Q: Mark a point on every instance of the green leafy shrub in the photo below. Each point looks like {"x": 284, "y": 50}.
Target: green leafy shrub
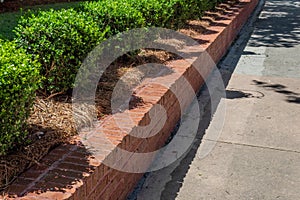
{"x": 159, "y": 13}
{"x": 172, "y": 13}
{"x": 61, "y": 40}
{"x": 117, "y": 15}
{"x": 18, "y": 83}
{"x": 194, "y": 9}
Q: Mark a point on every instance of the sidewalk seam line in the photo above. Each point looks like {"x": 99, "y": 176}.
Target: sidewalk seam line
{"x": 251, "y": 145}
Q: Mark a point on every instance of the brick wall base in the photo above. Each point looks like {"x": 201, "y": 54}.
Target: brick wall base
{"x": 76, "y": 171}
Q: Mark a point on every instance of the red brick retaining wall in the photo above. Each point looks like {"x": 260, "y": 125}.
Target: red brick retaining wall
{"x": 75, "y": 172}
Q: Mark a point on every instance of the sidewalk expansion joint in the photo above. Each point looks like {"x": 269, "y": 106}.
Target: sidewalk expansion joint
{"x": 255, "y": 146}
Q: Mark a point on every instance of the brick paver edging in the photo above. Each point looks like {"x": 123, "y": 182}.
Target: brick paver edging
{"x": 74, "y": 172}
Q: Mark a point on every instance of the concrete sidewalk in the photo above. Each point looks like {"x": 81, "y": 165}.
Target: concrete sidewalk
{"x": 257, "y": 154}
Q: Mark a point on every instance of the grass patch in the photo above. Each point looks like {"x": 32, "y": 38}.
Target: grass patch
{"x": 9, "y": 20}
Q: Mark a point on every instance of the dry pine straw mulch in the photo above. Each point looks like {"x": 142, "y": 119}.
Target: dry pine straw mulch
{"x": 51, "y": 122}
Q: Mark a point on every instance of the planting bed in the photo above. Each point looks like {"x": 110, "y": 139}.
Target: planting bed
{"x": 70, "y": 171}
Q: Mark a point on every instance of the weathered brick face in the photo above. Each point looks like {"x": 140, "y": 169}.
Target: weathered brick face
{"x": 74, "y": 172}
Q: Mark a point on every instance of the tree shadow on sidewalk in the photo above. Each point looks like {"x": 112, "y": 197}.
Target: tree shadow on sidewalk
{"x": 291, "y": 97}
{"x": 278, "y": 25}
{"x": 172, "y": 187}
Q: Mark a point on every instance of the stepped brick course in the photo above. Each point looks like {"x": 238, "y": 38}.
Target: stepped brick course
{"x": 76, "y": 171}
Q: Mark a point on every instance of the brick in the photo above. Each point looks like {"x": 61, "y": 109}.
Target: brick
{"x": 135, "y": 113}
{"x": 30, "y": 174}
{"x": 126, "y": 120}
{"x": 79, "y": 161}
{"x": 80, "y": 153}
{"x": 93, "y": 195}
{"x": 51, "y": 195}
{"x": 16, "y": 189}
{"x": 50, "y": 159}
{"x": 119, "y": 188}
{"x": 61, "y": 180}
{"x": 99, "y": 142}
{"x": 100, "y": 186}
{"x": 60, "y": 151}
{"x": 33, "y": 197}
{"x": 94, "y": 162}
{"x": 22, "y": 181}
{"x": 88, "y": 181}
{"x": 43, "y": 186}
{"x": 115, "y": 140}
{"x": 104, "y": 194}
{"x": 134, "y": 143}
{"x": 146, "y": 120}
{"x": 97, "y": 181}
{"x": 64, "y": 147}
{"x": 74, "y": 167}
{"x": 39, "y": 167}
{"x": 67, "y": 173}
{"x": 80, "y": 193}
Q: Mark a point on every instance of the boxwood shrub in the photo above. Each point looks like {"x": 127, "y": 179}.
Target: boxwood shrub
{"x": 172, "y": 13}
{"x": 159, "y": 13}
{"x": 61, "y": 40}
{"x": 194, "y": 9}
{"x": 18, "y": 83}
{"x": 116, "y": 15}
{"x": 56, "y": 42}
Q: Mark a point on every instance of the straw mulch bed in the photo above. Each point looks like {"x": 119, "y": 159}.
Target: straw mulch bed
{"x": 51, "y": 122}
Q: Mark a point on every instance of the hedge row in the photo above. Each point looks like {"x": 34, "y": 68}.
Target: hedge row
{"x": 18, "y": 83}
{"x": 60, "y": 40}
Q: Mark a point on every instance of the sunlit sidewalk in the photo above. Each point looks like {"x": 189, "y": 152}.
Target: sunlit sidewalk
{"x": 256, "y": 154}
